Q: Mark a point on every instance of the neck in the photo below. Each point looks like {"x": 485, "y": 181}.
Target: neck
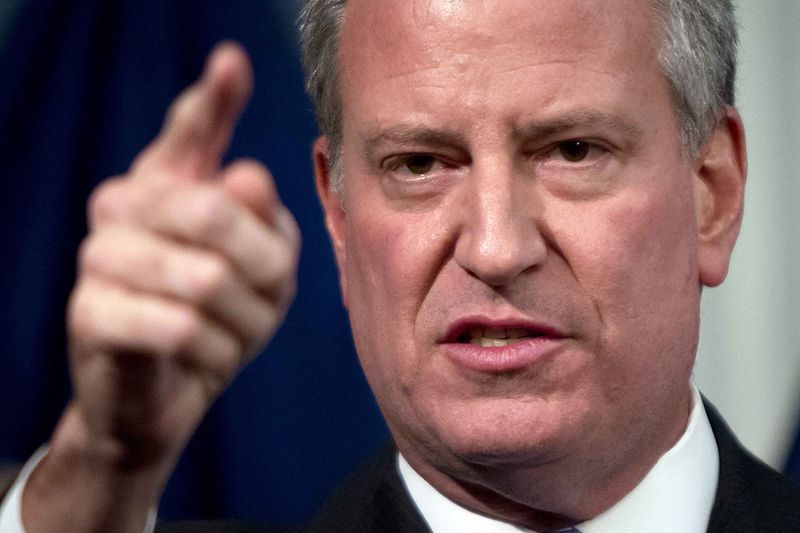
{"x": 557, "y": 494}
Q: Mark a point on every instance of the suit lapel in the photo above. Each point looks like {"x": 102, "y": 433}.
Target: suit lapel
{"x": 373, "y": 500}
{"x": 751, "y": 497}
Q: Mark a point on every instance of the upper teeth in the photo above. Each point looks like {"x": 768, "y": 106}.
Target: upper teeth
{"x": 487, "y": 342}
{"x": 489, "y": 337}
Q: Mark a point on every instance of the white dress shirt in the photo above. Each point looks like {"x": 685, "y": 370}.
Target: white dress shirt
{"x": 676, "y": 495}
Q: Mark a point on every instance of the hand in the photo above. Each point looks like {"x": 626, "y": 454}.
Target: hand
{"x": 186, "y": 273}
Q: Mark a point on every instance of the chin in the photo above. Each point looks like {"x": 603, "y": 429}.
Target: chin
{"x": 509, "y": 433}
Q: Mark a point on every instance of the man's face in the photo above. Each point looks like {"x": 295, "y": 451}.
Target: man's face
{"x": 517, "y": 236}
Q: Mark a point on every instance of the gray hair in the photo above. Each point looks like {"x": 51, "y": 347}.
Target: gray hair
{"x": 698, "y": 59}
{"x": 320, "y": 25}
{"x": 697, "y": 55}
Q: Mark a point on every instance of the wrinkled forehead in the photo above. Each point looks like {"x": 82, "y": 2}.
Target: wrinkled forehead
{"x": 386, "y": 23}
{"x": 384, "y": 38}
{"x": 476, "y": 44}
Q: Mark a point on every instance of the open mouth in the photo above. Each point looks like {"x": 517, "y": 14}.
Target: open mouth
{"x": 496, "y": 337}
{"x": 500, "y": 345}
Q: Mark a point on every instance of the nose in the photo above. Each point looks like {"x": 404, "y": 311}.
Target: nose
{"x": 500, "y": 235}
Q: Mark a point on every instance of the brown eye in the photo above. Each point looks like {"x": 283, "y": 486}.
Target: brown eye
{"x": 574, "y": 151}
{"x": 420, "y": 164}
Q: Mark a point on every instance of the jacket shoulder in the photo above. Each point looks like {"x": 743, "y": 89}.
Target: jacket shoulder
{"x": 751, "y": 496}
{"x": 372, "y": 500}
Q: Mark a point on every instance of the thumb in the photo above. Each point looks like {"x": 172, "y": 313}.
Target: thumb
{"x": 251, "y": 184}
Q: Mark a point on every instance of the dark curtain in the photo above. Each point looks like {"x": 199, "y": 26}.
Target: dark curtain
{"x": 84, "y": 87}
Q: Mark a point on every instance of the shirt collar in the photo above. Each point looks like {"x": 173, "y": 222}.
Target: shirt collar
{"x": 676, "y": 495}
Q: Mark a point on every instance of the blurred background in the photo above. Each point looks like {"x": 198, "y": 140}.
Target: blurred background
{"x": 83, "y": 87}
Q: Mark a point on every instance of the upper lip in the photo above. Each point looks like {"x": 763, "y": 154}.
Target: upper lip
{"x": 461, "y": 327}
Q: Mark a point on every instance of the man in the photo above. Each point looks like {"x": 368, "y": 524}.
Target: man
{"x": 524, "y": 198}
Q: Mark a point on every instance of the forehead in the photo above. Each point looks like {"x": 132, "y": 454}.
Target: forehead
{"x": 389, "y": 22}
{"x": 481, "y": 43}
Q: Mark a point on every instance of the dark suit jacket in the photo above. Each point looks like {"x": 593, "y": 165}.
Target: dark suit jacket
{"x": 751, "y": 498}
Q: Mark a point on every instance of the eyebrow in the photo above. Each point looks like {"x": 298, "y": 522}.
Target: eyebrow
{"x": 576, "y": 120}
{"x": 409, "y": 134}
{"x": 412, "y": 135}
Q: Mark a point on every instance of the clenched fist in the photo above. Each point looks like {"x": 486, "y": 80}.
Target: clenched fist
{"x": 187, "y": 271}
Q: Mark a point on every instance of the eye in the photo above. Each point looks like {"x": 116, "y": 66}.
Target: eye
{"x": 414, "y": 166}
{"x": 575, "y": 151}
{"x": 418, "y": 175}
{"x": 419, "y": 164}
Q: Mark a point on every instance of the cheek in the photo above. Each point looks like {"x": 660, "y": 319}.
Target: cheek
{"x": 392, "y": 260}
{"x": 637, "y": 262}
{"x": 634, "y": 246}
{"x": 384, "y": 259}
{"x": 656, "y": 242}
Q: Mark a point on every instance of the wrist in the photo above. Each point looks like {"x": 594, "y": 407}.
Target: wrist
{"x": 90, "y": 484}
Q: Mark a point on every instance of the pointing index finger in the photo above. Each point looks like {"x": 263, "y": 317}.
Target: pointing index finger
{"x": 200, "y": 122}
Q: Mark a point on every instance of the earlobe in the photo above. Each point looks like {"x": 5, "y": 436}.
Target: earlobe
{"x": 720, "y": 173}
{"x": 331, "y": 201}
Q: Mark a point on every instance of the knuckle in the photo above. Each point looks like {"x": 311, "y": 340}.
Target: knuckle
{"x": 249, "y": 165}
{"x": 213, "y": 215}
{"x": 184, "y": 330}
{"x": 280, "y": 273}
{"x": 107, "y": 200}
{"x": 291, "y": 230}
{"x": 212, "y": 276}
{"x": 104, "y": 201}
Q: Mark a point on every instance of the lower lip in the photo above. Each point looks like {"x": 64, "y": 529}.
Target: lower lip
{"x": 501, "y": 359}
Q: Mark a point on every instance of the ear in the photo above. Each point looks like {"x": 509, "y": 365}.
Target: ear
{"x": 332, "y": 208}
{"x": 720, "y": 173}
